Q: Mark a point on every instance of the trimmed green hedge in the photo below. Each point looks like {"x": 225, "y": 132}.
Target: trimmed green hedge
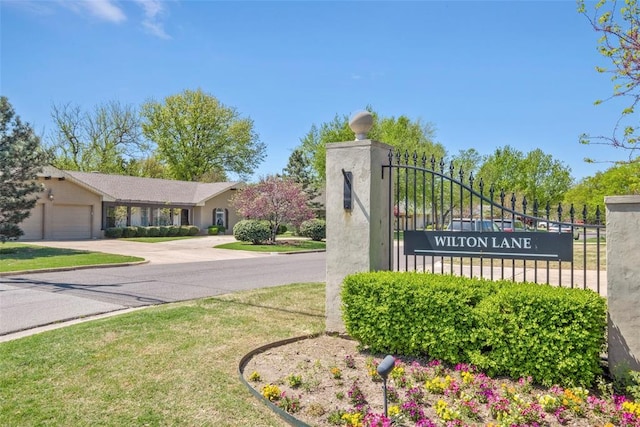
{"x": 251, "y": 230}
{"x": 555, "y": 335}
{"x": 183, "y": 230}
{"x": 216, "y": 229}
{"x": 315, "y": 229}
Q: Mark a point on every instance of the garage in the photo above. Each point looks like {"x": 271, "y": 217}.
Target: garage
{"x": 71, "y": 222}
{"x": 33, "y": 227}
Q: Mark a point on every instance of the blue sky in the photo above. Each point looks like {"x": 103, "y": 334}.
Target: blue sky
{"x": 484, "y": 73}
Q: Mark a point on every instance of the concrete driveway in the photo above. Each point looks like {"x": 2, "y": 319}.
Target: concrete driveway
{"x": 170, "y": 252}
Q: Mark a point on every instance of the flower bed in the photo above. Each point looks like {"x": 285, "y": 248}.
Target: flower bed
{"x": 326, "y": 381}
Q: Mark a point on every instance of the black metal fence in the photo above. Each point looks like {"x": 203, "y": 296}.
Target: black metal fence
{"x": 445, "y": 222}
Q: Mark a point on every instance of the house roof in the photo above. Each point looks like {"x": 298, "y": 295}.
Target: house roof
{"x": 133, "y": 189}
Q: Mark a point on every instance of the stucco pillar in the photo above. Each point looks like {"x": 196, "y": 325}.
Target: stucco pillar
{"x": 357, "y": 239}
{"x": 623, "y": 281}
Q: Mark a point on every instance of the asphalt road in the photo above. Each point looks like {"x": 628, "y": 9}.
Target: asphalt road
{"x": 32, "y": 300}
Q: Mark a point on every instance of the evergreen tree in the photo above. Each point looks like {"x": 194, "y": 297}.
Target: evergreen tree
{"x": 300, "y": 171}
{"x": 21, "y": 158}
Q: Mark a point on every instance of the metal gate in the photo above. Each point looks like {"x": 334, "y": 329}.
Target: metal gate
{"x": 444, "y": 222}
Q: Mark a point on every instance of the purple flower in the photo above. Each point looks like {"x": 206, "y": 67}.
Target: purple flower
{"x": 356, "y": 395}
{"x": 425, "y": 422}
{"x": 415, "y": 394}
{"x": 412, "y": 410}
{"x": 375, "y": 420}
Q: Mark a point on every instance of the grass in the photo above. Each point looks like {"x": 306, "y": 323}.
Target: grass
{"x": 280, "y": 246}
{"x": 21, "y": 257}
{"x": 175, "y": 364}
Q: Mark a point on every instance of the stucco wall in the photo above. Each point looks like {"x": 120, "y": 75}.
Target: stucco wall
{"x": 623, "y": 281}
{"x": 67, "y": 197}
{"x": 357, "y": 240}
{"x": 203, "y": 215}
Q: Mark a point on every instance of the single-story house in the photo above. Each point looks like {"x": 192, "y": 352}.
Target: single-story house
{"x": 81, "y": 205}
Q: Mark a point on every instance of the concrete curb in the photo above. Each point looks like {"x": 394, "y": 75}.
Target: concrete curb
{"x": 66, "y": 322}
{"x": 79, "y": 267}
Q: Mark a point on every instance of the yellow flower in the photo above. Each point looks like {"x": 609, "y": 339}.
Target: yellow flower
{"x": 394, "y": 410}
{"x": 271, "y": 392}
{"x": 467, "y": 377}
{"x": 632, "y": 408}
{"x": 353, "y": 420}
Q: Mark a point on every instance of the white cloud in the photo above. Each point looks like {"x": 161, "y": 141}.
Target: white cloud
{"x": 154, "y": 12}
{"x": 152, "y": 22}
{"x": 103, "y": 9}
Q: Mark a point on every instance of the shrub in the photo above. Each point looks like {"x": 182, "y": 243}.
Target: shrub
{"x": 128, "y": 232}
{"x": 315, "y": 229}
{"x": 164, "y": 231}
{"x": 173, "y": 231}
{"x": 141, "y": 231}
{"x": 213, "y": 230}
{"x": 183, "y": 230}
{"x": 193, "y": 230}
{"x": 250, "y": 230}
{"x": 282, "y": 229}
{"x": 554, "y": 335}
{"x": 113, "y": 232}
{"x": 153, "y": 231}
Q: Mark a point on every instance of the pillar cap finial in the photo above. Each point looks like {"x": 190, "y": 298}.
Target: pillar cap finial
{"x": 361, "y": 123}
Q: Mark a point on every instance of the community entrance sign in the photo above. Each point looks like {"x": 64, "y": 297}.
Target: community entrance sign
{"x": 540, "y": 246}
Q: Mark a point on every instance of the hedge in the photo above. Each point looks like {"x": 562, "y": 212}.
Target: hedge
{"x": 555, "y": 335}
{"x": 251, "y": 230}
{"x": 138, "y": 231}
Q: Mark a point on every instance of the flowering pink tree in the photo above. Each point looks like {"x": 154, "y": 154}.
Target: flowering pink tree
{"x": 274, "y": 199}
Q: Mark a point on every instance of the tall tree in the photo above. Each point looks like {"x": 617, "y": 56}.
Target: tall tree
{"x": 535, "y": 175}
{"x": 619, "y": 26}
{"x": 21, "y": 158}
{"x": 313, "y": 144}
{"x": 149, "y": 167}
{"x": 274, "y": 199}
{"x": 468, "y": 160}
{"x": 501, "y": 169}
{"x": 199, "y": 137}
{"x": 622, "y": 179}
{"x": 300, "y": 171}
{"x": 543, "y": 178}
{"x": 102, "y": 140}
{"x": 401, "y": 132}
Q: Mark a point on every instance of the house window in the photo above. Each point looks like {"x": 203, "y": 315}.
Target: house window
{"x": 184, "y": 216}
{"x": 164, "y": 218}
{"x": 111, "y": 216}
{"x": 144, "y": 217}
{"x": 220, "y": 217}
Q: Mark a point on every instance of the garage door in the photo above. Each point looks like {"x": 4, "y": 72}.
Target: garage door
{"x": 33, "y": 226}
{"x": 71, "y": 222}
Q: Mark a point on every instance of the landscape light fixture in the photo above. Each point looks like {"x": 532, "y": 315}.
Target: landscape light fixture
{"x": 384, "y": 368}
{"x": 50, "y": 196}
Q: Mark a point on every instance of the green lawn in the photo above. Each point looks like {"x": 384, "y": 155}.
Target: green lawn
{"x": 21, "y": 257}
{"x": 280, "y": 246}
{"x": 174, "y": 364}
